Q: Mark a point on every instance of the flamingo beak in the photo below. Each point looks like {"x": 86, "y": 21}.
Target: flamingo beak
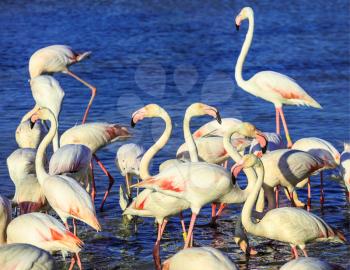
{"x": 132, "y": 123}
{"x": 237, "y": 27}
{"x": 235, "y": 170}
{"x": 218, "y": 117}
{"x": 31, "y": 124}
{"x": 262, "y": 139}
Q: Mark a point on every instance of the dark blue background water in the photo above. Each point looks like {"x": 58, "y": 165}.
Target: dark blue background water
{"x": 175, "y": 53}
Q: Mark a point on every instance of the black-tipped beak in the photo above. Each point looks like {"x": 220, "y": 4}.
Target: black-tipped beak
{"x": 233, "y": 179}
{"x": 218, "y": 118}
{"x": 237, "y": 27}
{"x": 132, "y": 123}
{"x": 264, "y": 149}
{"x": 31, "y": 124}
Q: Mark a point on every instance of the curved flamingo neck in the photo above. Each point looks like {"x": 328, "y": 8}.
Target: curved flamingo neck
{"x": 244, "y": 51}
{"x": 250, "y": 173}
{"x": 40, "y": 155}
{"x": 191, "y": 145}
{"x": 159, "y": 144}
{"x": 247, "y": 210}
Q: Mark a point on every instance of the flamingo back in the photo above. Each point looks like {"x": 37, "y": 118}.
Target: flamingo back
{"x": 48, "y": 93}
{"x": 213, "y": 128}
{"x": 280, "y": 89}
{"x": 319, "y": 148}
{"x": 21, "y": 163}
{"x": 42, "y": 231}
{"x": 199, "y": 258}
{"x": 24, "y": 257}
{"x": 308, "y": 263}
{"x": 70, "y": 158}
{"x": 94, "y": 135}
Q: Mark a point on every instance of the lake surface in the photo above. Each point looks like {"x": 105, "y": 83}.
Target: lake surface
{"x": 174, "y": 53}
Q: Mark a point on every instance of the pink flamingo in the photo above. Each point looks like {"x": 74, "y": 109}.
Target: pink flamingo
{"x": 63, "y": 193}
{"x": 287, "y": 224}
{"x": 95, "y": 136}
{"x": 29, "y": 195}
{"x": 268, "y": 85}
{"x": 197, "y": 182}
{"x": 57, "y": 58}
{"x": 323, "y": 150}
{"x": 25, "y": 256}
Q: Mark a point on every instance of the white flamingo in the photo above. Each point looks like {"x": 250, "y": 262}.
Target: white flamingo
{"x": 95, "y": 136}
{"x": 64, "y": 194}
{"x": 268, "y": 85}
{"x": 24, "y": 257}
{"x": 199, "y": 258}
{"x": 29, "y": 195}
{"x": 294, "y": 226}
{"x": 57, "y": 58}
{"x": 47, "y": 93}
{"x": 323, "y": 150}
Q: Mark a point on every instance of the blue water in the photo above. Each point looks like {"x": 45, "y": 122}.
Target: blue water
{"x": 175, "y": 53}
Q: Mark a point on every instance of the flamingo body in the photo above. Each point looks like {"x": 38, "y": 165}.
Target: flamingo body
{"x": 308, "y": 263}
{"x": 25, "y": 257}
{"x": 42, "y": 231}
{"x": 5, "y": 217}
{"x": 54, "y": 58}
{"x": 94, "y": 135}
{"x": 199, "y": 258}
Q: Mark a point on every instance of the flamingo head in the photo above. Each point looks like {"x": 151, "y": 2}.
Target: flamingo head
{"x": 43, "y": 114}
{"x": 247, "y": 161}
{"x": 245, "y": 13}
{"x": 149, "y": 111}
{"x": 199, "y": 109}
{"x": 249, "y": 130}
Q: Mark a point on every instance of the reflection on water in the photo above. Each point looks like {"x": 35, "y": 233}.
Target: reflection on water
{"x": 172, "y": 53}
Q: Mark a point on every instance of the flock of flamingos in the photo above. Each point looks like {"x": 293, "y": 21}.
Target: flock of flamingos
{"x": 198, "y": 176}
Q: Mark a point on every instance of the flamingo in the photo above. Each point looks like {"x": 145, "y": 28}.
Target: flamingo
{"x": 199, "y": 258}
{"x": 29, "y": 195}
{"x": 27, "y": 137}
{"x": 128, "y": 160}
{"x": 47, "y": 93}
{"x": 63, "y": 193}
{"x": 323, "y": 150}
{"x": 5, "y": 217}
{"x": 289, "y": 169}
{"x": 308, "y": 263}
{"x": 72, "y": 160}
{"x": 345, "y": 167}
{"x": 291, "y": 225}
{"x": 197, "y": 182}
{"x": 45, "y": 232}
{"x": 24, "y": 257}
{"x": 268, "y": 85}
{"x": 95, "y": 136}
{"x": 57, "y": 58}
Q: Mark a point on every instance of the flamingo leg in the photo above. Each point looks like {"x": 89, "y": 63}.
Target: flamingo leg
{"x": 222, "y": 207}
{"x": 213, "y": 210}
{"x": 72, "y": 262}
{"x": 74, "y": 227}
{"x": 190, "y": 230}
{"x": 93, "y": 93}
{"x": 294, "y": 252}
{"x": 225, "y": 164}
{"x": 284, "y": 122}
{"x": 184, "y": 232}
{"x": 156, "y": 248}
{"x": 278, "y": 129}
{"x": 127, "y": 183}
{"x": 304, "y": 251}
{"x": 93, "y": 188}
{"x": 277, "y": 191}
{"x": 111, "y": 180}
{"x": 322, "y": 191}
{"x": 308, "y": 195}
